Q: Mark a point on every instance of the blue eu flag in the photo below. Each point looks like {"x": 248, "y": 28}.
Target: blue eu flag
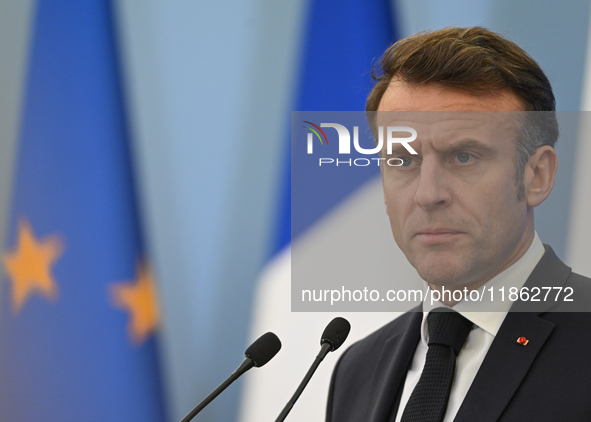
{"x": 78, "y": 313}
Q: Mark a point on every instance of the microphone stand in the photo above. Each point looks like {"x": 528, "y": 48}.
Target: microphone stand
{"x": 326, "y": 347}
{"x": 244, "y": 366}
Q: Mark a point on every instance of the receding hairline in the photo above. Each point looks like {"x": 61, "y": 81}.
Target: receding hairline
{"x": 494, "y": 95}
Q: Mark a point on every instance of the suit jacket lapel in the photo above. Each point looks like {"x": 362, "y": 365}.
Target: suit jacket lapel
{"x": 395, "y": 359}
{"x": 504, "y": 367}
{"x": 507, "y": 362}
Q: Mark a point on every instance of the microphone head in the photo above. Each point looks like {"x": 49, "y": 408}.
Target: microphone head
{"x": 263, "y": 349}
{"x": 336, "y": 333}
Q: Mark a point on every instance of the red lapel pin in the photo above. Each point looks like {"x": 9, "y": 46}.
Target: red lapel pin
{"x": 523, "y": 341}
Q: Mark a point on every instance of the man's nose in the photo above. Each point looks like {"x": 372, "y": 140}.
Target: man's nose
{"x": 433, "y": 188}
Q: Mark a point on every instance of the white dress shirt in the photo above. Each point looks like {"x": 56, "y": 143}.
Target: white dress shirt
{"x": 486, "y": 326}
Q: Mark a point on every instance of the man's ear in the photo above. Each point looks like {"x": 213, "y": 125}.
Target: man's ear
{"x": 539, "y": 175}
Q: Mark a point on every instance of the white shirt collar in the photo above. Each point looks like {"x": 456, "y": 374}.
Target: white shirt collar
{"x": 493, "y": 312}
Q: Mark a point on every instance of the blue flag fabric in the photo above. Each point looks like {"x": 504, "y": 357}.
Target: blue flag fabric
{"x": 344, "y": 40}
{"x": 78, "y": 312}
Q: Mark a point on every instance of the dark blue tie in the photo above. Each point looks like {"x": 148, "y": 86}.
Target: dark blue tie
{"x": 448, "y": 331}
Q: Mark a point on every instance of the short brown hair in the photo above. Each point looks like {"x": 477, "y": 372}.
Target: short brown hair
{"x": 477, "y": 61}
{"x": 474, "y": 60}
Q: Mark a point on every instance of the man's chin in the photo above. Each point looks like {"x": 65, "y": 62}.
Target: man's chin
{"x": 446, "y": 273}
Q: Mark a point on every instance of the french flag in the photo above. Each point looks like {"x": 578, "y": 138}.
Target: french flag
{"x": 344, "y": 40}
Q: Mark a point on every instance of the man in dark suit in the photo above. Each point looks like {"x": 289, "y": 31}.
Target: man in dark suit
{"x": 462, "y": 211}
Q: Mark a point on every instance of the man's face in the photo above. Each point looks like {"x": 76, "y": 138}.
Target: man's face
{"x": 453, "y": 208}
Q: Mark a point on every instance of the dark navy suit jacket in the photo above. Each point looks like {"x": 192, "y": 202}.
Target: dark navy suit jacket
{"x": 547, "y": 380}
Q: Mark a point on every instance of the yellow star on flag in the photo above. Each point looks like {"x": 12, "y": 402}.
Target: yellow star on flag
{"x": 138, "y": 297}
{"x": 29, "y": 265}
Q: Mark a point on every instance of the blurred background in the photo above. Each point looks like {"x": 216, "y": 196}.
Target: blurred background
{"x": 207, "y": 88}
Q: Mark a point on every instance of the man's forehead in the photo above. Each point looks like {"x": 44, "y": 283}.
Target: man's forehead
{"x": 451, "y": 119}
{"x": 456, "y": 123}
{"x": 401, "y": 96}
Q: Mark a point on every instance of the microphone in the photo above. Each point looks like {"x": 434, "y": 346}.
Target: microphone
{"x": 333, "y": 337}
{"x": 258, "y": 353}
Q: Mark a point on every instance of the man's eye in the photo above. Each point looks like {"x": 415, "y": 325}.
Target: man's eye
{"x": 463, "y": 157}
{"x": 406, "y": 161}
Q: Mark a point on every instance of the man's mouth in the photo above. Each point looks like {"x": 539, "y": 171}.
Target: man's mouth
{"x": 437, "y": 235}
